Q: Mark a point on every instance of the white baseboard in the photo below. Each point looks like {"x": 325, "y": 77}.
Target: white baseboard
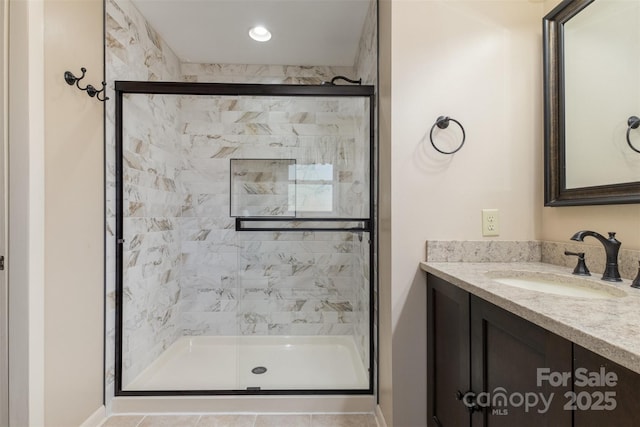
{"x": 380, "y": 418}
{"x": 96, "y": 418}
{"x": 251, "y": 404}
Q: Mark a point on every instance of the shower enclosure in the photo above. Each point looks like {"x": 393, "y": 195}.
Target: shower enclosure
{"x": 245, "y": 239}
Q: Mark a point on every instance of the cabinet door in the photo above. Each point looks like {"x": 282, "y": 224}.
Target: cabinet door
{"x": 594, "y": 401}
{"x": 507, "y": 353}
{"x": 447, "y": 353}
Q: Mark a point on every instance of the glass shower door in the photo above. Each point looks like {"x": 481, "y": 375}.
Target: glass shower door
{"x": 245, "y": 235}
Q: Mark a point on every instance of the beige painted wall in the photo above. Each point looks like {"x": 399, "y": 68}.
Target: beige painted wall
{"x": 25, "y": 257}
{"x": 74, "y": 214}
{"x": 4, "y": 291}
{"x": 559, "y": 224}
{"x": 480, "y": 63}
{"x": 385, "y": 367}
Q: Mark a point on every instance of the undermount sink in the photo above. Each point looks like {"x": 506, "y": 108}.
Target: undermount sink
{"x": 555, "y": 284}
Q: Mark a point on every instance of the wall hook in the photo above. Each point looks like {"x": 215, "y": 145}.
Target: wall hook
{"x": 90, "y": 89}
{"x": 71, "y": 79}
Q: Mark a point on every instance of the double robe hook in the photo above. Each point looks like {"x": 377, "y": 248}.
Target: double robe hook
{"x": 91, "y": 91}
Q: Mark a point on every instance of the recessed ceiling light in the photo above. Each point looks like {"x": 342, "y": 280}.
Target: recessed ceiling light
{"x": 260, "y": 34}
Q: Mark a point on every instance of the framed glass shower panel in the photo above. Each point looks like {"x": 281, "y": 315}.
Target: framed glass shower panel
{"x": 244, "y": 228}
{"x": 305, "y": 307}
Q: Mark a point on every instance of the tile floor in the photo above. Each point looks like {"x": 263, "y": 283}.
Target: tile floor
{"x": 243, "y": 420}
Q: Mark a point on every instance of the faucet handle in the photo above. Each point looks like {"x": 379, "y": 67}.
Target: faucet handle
{"x": 581, "y": 268}
{"x": 636, "y": 281}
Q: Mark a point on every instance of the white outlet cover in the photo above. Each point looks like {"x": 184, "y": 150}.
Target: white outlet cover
{"x": 490, "y": 222}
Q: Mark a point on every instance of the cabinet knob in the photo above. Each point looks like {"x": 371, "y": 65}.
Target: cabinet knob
{"x": 469, "y": 401}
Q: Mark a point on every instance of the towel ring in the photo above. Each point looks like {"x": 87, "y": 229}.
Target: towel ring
{"x": 442, "y": 122}
{"x": 633, "y": 123}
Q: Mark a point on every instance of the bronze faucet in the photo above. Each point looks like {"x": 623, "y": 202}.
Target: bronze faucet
{"x": 611, "y": 248}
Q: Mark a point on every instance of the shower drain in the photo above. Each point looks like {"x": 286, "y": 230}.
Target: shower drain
{"x": 259, "y": 370}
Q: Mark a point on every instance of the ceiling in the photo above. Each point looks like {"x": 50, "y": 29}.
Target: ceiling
{"x": 305, "y": 32}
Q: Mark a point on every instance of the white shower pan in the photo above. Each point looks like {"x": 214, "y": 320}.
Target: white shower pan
{"x": 226, "y": 363}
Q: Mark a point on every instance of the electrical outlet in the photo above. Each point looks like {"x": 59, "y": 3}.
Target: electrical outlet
{"x": 490, "y": 222}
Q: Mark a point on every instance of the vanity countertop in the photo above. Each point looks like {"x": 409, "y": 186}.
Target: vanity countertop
{"x": 609, "y": 327}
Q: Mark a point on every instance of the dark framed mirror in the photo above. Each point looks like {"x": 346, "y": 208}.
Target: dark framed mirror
{"x": 591, "y": 95}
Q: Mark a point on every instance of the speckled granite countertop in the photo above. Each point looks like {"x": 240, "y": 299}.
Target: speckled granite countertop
{"x": 609, "y": 327}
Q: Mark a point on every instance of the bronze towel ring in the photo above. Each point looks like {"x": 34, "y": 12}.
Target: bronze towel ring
{"x": 633, "y": 123}
{"x": 442, "y": 122}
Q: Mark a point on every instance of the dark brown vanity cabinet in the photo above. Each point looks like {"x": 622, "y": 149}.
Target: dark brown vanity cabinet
{"x": 605, "y": 393}
{"x": 490, "y": 368}
{"x": 510, "y": 358}
{"x": 448, "y": 355}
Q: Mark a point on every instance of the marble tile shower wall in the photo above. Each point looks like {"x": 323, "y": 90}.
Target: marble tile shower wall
{"x": 269, "y": 283}
{"x": 263, "y": 74}
{"x": 361, "y": 281}
{"x": 152, "y": 204}
{"x": 366, "y": 66}
{"x": 134, "y": 51}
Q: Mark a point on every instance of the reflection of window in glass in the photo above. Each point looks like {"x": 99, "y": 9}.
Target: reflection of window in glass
{"x": 260, "y": 187}
{"x": 313, "y": 188}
